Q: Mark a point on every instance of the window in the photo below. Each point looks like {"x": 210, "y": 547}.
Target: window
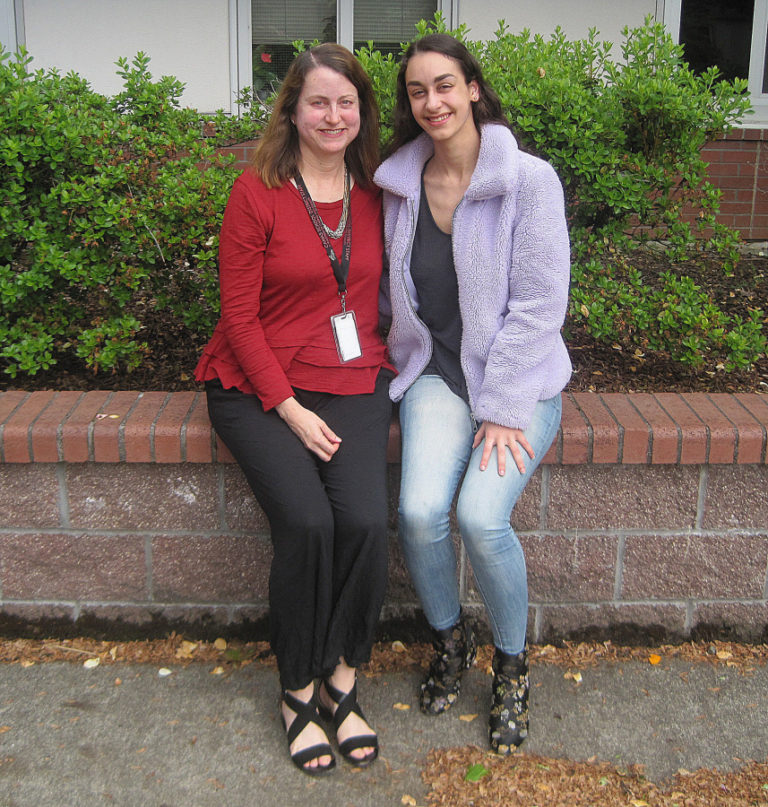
{"x": 274, "y": 26}
{"x": 731, "y": 34}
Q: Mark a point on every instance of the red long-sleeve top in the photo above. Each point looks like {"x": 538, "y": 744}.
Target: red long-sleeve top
{"x": 278, "y": 293}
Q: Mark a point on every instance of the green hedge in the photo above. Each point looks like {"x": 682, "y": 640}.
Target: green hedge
{"x": 110, "y": 207}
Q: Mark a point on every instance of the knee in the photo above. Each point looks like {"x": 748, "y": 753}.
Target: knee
{"x": 477, "y": 526}
{"x": 419, "y": 522}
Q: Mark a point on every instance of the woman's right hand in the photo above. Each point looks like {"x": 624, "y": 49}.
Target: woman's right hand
{"x": 312, "y": 430}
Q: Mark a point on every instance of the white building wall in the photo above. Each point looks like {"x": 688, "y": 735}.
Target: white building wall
{"x": 575, "y": 17}
{"x": 188, "y": 39}
{"x": 7, "y": 25}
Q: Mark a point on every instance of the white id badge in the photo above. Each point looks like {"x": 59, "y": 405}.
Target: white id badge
{"x": 345, "y": 333}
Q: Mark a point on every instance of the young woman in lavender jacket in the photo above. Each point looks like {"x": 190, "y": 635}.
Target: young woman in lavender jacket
{"x": 478, "y": 251}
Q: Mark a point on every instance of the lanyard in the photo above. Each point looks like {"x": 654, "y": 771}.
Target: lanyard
{"x": 340, "y": 270}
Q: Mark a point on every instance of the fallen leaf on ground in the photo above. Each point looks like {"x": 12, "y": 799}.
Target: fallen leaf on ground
{"x": 217, "y": 671}
{"x": 220, "y": 644}
{"x": 164, "y": 672}
{"x": 467, "y": 718}
{"x": 90, "y": 663}
{"x": 654, "y": 658}
{"x": 402, "y": 707}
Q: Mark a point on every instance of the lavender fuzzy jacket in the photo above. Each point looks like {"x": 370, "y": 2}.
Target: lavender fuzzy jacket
{"x": 512, "y": 258}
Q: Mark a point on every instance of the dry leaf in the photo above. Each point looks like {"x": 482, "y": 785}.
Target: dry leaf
{"x": 163, "y": 672}
{"x": 573, "y": 676}
{"x": 118, "y": 681}
{"x": 638, "y": 803}
{"x": 186, "y": 650}
{"x": 654, "y": 658}
{"x": 724, "y": 654}
{"x": 398, "y": 646}
{"x": 217, "y": 671}
{"x": 408, "y": 800}
{"x": 90, "y": 663}
{"x": 220, "y": 644}
{"x": 27, "y": 663}
{"x": 402, "y": 707}
{"x": 467, "y": 718}
{"x": 3, "y": 729}
{"x": 113, "y": 653}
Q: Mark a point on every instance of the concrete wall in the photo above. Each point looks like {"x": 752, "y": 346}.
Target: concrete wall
{"x": 122, "y": 515}
{"x": 188, "y": 39}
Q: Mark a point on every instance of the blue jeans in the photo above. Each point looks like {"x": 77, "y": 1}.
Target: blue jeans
{"x": 437, "y": 458}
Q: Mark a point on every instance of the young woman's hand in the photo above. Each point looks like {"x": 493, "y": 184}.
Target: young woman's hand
{"x": 502, "y": 437}
{"x": 312, "y": 430}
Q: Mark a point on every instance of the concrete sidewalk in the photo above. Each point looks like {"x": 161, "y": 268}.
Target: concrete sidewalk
{"x": 73, "y": 737}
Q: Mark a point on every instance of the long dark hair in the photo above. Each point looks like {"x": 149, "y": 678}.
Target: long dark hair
{"x": 275, "y": 158}
{"x": 487, "y": 109}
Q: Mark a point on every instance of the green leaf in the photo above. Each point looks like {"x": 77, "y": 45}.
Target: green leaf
{"x": 476, "y": 772}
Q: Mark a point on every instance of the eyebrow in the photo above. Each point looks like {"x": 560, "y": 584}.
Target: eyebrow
{"x": 436, "y": 79}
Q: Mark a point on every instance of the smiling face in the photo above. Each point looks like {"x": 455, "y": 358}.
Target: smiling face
{"x": 327, "y": 115}
{"x": 440, "y": 97}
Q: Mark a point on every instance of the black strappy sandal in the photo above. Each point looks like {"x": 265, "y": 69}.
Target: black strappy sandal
{"x": 306, "y": 713}
{"x": 346, "y": 703}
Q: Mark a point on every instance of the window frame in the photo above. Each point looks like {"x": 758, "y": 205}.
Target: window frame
{"x": 757, "y": 57}
{"x": 240, "y": 26}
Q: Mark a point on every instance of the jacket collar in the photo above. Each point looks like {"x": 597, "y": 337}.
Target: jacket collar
{"x": 495, "y": 173}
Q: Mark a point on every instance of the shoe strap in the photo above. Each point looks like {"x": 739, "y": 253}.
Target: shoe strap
{"x": 346, "y": 703}
{"x": 306, "y": 713}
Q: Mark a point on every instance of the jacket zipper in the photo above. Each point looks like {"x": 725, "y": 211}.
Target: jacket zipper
{"x": 461, "y": 361}
{"x": 408, "y": 294}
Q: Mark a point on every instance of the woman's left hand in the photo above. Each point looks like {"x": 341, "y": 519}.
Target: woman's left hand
{"x": 502, "y": 437}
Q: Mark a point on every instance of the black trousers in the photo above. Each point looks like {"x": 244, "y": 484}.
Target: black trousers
{"x": 328, "y": 522}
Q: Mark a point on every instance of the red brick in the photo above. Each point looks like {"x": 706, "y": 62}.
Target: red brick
{"x": 107, "y": 426}
{"x": 750, "y": 435}
{"x": 46, "y": 429}
{"x": 575, "y": 434}
{"x": 665, "y": 438}
{"x": 167, "y": 430}
{"x": 75, "y": 432}
{"x": 721, "y": 435}
{"x": 197, "y": 435}
{"x": 693, "y": 432}
{"x": 605, "y": 431}
{"x": 223, "y": 454}
{"x": 9, "y": 401}
{"x": 757, "y": 405}
{"x": 137, "y": 430}
{"x": 633, "y": 430}
{"x": 17, "y": 428}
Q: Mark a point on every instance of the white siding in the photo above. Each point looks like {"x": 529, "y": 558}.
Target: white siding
{"x": 543, "y": 16}
{"x": 7, "y": 25}
{"x": 188, "y": 39}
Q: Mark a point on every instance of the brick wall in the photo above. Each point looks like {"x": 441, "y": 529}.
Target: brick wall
{"x": 122, "y": 515}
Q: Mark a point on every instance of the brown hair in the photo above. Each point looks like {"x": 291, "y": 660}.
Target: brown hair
{"x": 487, "y": 109}
{"x": 275, "y": 158}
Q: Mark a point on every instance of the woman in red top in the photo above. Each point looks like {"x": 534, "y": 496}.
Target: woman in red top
{"x": 296, "y": 378}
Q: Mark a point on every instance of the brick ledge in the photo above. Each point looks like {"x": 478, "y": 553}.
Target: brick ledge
{"x": 161, "y": 427}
